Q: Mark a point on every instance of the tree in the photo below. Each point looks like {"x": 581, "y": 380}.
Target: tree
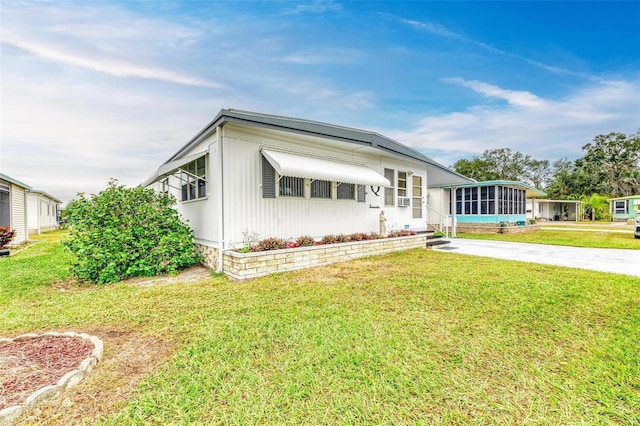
{"x": 537, "y": 173}
{"x": 476, "y": 168}
{"x": 504, "y": 164}
{"x": 613, "y": 163}
{"x": 126, "y": 232}
{"x": 596, "y": 207}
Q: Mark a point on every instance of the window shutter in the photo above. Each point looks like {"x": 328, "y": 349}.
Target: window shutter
{"x": 361, "y": 194}
{"x": 268, "y": 179}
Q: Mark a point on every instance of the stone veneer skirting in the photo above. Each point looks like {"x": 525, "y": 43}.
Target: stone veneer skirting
{"x": 494, "y": 228}
{"x": 241, "y": 266}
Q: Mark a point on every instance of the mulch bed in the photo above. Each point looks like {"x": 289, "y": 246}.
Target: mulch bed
{"x": 30, "y": 364}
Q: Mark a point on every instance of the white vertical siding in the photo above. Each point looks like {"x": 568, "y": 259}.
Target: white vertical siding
{"x": 18, "y": 213}
{"x": 283, "y": 217}
{"x": 41, "y": 213}
{"x": 244, "y": 208}
{"x": 33, "y": 212}
{"x": 201, "y": 215}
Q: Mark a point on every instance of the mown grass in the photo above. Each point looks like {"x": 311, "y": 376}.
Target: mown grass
{"x": 573, "y": 238}
{"x": 406, "y": 338}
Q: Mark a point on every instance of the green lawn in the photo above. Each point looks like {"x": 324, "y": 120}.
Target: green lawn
{"x": 407, "y": 338}
{"x": 575, "y": 238}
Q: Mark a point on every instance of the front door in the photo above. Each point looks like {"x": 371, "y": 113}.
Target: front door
{"x": 417, "y": 203}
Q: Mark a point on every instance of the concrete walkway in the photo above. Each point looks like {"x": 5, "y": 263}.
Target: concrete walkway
{"x": 618, "y": 261}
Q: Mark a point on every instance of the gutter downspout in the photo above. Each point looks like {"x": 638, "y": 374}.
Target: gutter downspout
{"x": 219, "y": 139}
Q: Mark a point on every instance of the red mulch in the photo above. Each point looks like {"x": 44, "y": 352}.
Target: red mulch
{"x": 30, "y": 364}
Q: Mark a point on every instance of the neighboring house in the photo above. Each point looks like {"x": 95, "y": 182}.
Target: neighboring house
{"x": 469, "y": 207}
{"x": 43, "y": 211}
{"x": 623, "y": 208}
{"x": 274, "y": 176}
{"x": 542, "y": 209}
{"x": 13, "y": 207}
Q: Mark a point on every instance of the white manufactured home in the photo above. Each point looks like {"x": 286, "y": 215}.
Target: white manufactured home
{"x": 250, "y": 173}
{"x": 13, "y": 207}
{"x": 43, "y": 212}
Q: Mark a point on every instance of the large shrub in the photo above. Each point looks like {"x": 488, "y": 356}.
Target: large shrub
{"x": 126, "y": 232}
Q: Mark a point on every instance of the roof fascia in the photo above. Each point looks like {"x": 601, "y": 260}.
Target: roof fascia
{"x": 14, "y": 181}
{"x": 49, "y": 196}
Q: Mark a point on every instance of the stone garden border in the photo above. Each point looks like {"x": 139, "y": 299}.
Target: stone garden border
{"x": 70, "y": 379}
{"x": 241, "y": 266}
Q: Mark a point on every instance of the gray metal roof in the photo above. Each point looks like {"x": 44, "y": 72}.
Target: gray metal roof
{"x": 13, "y": 181}
{"x": 315, "y": 128}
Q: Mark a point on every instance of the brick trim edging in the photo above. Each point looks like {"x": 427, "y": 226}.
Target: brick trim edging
{"x": 72, "y": 378}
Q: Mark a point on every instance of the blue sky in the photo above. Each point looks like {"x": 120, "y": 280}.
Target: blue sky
{"x": 94, "y": 90}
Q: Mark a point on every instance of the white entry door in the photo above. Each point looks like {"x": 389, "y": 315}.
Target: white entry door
{"x": 417, "y": 203}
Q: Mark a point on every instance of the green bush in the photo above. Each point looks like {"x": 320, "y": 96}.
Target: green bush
{"x": 126, "y": 232}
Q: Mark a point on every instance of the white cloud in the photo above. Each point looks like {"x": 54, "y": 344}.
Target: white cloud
{"x": 102, "y": 63}
{"x": 83, "y": 37}
{"x": 440, "y": 30}
{"x": 516, "y": 98}
{"x": 544, "y": 128}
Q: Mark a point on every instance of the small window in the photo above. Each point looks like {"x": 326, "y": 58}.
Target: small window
{"x": 194, "y": 179}
{"x": 389, "y": 192}
{"x": 291, "y": 186}
{"x": 620, "y": 207}
{"x": 165, "y": 186}
{"x": 321, "y": 189}
{"x": 346, "y": 191}
{"x": 361, "y": 195}
{"x": 402, "y": 184}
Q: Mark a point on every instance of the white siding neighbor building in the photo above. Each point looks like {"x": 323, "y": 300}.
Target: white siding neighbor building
{"x": 13, "y": 207}
{"x": 249, "y": 173}
{"x": 43, "y": 211}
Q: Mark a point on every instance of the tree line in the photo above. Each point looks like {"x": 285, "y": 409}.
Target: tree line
{"x": 610, "y": 167}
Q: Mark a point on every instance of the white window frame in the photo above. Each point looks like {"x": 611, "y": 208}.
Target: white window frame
{"x": 390, "y": 192}
{"x": 623, "y": 210}
{"x": 188, "y": 177}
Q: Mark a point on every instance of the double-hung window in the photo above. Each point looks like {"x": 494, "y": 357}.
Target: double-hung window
{"x": 402, "y": 184}
{"x": 620, "y": 207}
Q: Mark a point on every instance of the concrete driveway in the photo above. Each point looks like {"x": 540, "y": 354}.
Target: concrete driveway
{"x": 617, "y": 261}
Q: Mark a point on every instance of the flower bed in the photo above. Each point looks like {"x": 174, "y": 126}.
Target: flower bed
{"x": 307, "y": 241}
{"x": 258, "y": 263}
